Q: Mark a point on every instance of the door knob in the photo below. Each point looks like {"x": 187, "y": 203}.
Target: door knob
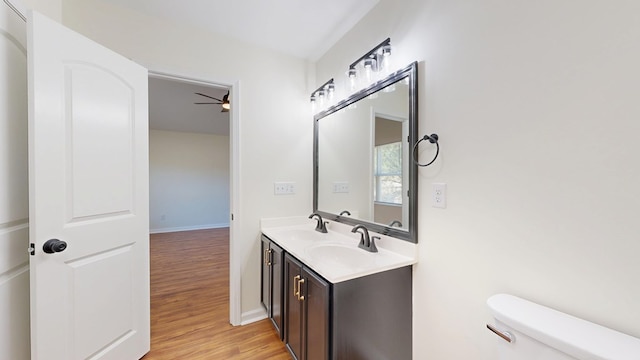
{"x": 53, "y": 246}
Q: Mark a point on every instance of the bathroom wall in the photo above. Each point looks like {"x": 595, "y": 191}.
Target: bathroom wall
{"x": 50, "y": 8}
{"x": 275, "y": 136}
{"x": 536, "y": 107}
{"x": 188, "y": 181}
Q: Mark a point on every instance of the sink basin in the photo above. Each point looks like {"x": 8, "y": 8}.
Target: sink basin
{"x": 338, "y": 255}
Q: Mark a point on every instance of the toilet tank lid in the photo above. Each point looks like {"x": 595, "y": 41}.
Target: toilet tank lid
{"x": 576, "y": 337}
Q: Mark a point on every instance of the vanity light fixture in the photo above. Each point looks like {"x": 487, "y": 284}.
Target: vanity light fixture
{"x": 375, "y": 60}
{"x": 323, "y": 95}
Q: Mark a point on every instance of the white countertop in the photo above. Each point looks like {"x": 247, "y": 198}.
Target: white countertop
{"x": 344, "y": 260}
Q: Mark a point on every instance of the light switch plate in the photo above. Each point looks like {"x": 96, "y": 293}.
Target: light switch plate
{"x": 340, "y": 187}
{"x": 284, "y": 188}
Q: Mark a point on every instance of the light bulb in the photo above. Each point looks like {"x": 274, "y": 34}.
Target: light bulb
{"x": 353, "y": 73}
{"x": 331, "y": 89}
{"x": 385, "y": 60}
{"x": 321, "y": 98}
{"x": 386, "y": 50}
{"x": 313, "y": 103}
{"x": 368, "y": 63}
{"x": 369, "y": 67}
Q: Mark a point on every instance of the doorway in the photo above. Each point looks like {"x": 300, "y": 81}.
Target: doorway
{"x": 203, "y": 141}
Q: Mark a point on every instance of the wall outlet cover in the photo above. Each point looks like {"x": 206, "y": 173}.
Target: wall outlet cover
{"x": 439, "y": 195}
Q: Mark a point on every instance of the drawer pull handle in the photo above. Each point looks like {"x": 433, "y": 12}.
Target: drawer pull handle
{"x": 300, "y": 282}
{"x": 266, "y": 258}
{"x": 296, "y": 287}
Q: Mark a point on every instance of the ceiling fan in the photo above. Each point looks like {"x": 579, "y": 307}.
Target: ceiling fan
{"x": 224, "y": 102}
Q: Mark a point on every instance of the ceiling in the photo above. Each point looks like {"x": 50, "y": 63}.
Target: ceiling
{"x": 302, "y": 28}
{"x": 172, "y": 108}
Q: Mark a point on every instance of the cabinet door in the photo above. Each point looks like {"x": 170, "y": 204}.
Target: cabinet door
{"x": 265, "y": 294}
{"x": 277, "y": 259}
{"x": 316, "y": 320}
{"x": 293, "y": 307}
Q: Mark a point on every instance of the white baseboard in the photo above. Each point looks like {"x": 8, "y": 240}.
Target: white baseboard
{"x": 253, "y": 316}
{"x": 187, "y": 228}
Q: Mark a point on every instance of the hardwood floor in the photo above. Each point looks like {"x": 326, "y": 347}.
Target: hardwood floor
{"x": 190, "y": 303}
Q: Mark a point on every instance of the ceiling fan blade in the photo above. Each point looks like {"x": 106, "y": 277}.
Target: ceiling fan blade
{"x": 209, "y": 103}
{"x": 210, "y": 97}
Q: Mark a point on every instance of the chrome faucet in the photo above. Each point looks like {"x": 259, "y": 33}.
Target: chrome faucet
{"x": 395, "y": 222}
{"x": 322, "y": 225}
{"x": 366, "y": 243}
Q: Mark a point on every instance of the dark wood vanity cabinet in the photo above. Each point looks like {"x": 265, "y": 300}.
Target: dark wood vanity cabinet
{"x": 272, "y": 276}
{"x": 307, "y": 305}
{"x": 365, "y": 318}
{"x": 371, "y": 317}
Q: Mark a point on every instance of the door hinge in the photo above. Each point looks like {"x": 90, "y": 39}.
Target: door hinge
{"x": 32, "y": 249}
{"x": 231, "y": 217}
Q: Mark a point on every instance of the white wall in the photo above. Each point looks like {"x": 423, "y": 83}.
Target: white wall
{"x": 188, "y": 181}
{"x": 536, "y": 104}
{"x": 275, "y": 139}
{"x": 50, "y": 8}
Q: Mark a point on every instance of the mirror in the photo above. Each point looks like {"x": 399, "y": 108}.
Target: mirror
{"x": 363, "y": 172}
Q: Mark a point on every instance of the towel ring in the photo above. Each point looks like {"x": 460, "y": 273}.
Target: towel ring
{"x": 433, "y": 138}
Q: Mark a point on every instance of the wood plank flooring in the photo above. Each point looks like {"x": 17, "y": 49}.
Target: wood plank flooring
{"x": 190, "y": 303}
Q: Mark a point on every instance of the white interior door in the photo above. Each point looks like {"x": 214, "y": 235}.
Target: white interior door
{"x": 14, "y": 201}
{"x": 88, "y": 187}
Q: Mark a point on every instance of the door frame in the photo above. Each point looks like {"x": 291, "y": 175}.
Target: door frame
{"x": 235, "y": 310}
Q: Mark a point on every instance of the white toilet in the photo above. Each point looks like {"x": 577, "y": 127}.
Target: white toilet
{"x": 528, "y": 331}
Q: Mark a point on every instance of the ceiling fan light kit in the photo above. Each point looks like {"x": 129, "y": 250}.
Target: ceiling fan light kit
{"x": 226, "y": 105}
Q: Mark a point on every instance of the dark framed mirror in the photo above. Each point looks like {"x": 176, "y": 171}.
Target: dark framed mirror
{"x": 362, "y": 166}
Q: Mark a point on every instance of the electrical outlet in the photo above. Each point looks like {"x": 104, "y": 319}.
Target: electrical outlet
{"x": 284, "y": 188}
{"x": 340, "y": 187}
{"x": 439, "y": 195}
